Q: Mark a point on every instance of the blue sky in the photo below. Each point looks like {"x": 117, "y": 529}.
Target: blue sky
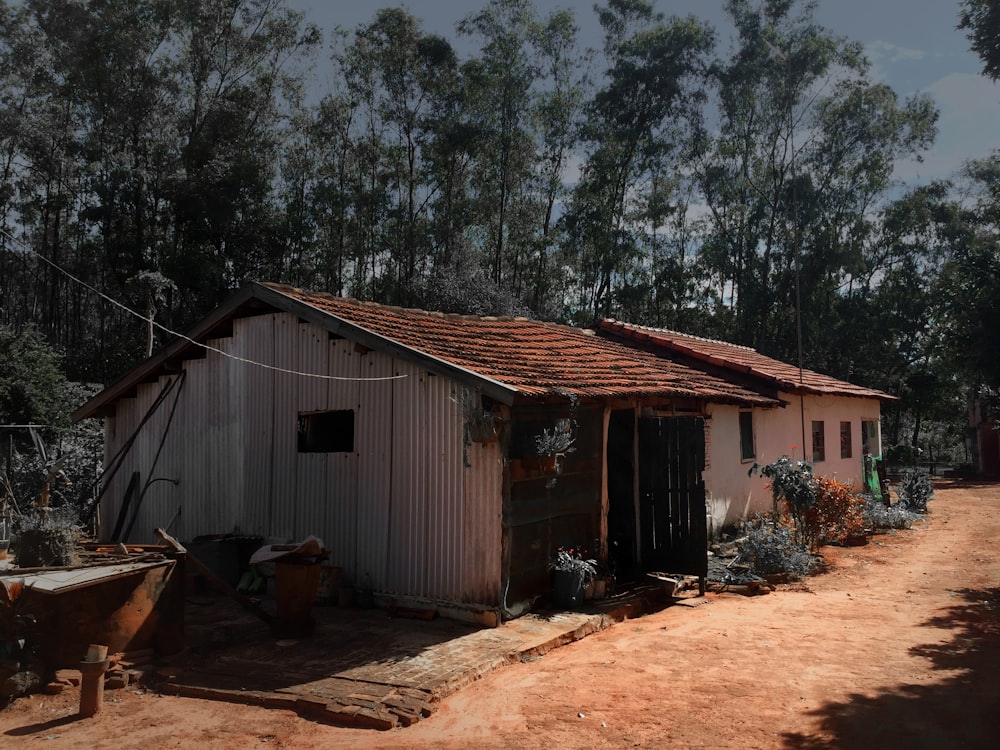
{"x": 913, "y": 45}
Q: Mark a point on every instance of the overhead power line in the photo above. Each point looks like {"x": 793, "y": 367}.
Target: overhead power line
{"x": 207, "y": 347}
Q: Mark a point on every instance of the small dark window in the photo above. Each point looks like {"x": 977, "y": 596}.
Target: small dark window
{"x": 845, "y": 439}
{"x": 326, "y": 432}
{"x": 747, "y": 450}
{"x": 819, "y": 442}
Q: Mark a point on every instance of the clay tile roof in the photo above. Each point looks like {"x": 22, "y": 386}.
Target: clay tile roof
{"x": 532, "y": 357}
{"x": 741, "y": 359}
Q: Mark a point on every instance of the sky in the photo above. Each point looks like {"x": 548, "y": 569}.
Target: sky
{"x": 913, "y": 46}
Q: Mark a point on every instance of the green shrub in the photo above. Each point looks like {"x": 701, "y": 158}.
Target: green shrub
{"x": 878, "y": 515}
{"x": 771, "y": 546}
{"x": 915, "y": 490}
{"x": 794, "y": 489}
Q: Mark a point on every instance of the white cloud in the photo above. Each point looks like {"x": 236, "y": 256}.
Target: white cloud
{"x": 881, "y": 51}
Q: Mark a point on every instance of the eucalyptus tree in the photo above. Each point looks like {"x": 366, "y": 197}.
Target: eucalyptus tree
{"x": 90, "y": 129}
{"x": 30, "y": 135}
{"x": 143, "y": 139}
{"x": 981, "y": 21}
{"x": 556, "y": 119}
{"x": 498, "y": 84}
{"x": 637, "y": 125}
{"x": 397, "y": 82}
{"x": 416, "y": 71}
{"x": 237, "y": 83}
{"x": 330, "y": 154}
{"x": 803, "y": 154}
{"x": 970, "y": 279}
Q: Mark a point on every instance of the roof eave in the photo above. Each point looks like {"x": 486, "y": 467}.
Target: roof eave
{"x": 274, "y": 298}
{"x": 151, "y": 366}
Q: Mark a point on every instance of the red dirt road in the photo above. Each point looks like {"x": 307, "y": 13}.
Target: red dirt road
{"x": 897, "y": 645}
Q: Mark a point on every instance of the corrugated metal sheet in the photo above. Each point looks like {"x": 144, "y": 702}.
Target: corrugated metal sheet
{"x": 412, "y": 511}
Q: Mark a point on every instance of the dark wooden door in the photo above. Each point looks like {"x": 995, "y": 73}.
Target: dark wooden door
{"x": 673, "y": 530}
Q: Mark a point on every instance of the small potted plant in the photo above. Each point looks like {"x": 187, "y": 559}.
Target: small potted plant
{"x": 571, "y": 572}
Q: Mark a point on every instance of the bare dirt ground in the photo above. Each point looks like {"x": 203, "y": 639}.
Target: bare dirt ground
{"x": 896, "y": 645}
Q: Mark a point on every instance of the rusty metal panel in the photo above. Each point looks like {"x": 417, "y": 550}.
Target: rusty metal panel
{"x": 406, "y": 566}
{"x": 140, "y": 608}
{"x": 310, "y": 355}
{"x": 434, "y": 528}
{"x": 341, "y": 479}
{"x": 153, "y": 502}
{"x": 114, "y": 487}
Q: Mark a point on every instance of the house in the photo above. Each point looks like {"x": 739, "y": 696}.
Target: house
{"x": 983, "y": 438}
{"x": 440, "y": 458}
{"x": 831, "y": 423}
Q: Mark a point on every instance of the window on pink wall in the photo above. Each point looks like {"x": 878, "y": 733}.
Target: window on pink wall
{"x": 747, "y": 450}
{"x": 819, "y": 442}
{"x": 845, "y": 439}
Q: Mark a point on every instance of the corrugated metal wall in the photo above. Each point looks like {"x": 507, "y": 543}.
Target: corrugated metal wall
{"x": 414, "y": 510}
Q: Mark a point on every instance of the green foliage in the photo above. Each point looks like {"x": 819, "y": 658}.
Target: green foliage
{"x": 805, "y": 146}
{"x": 46, "y": 536}
{"x": 901, "y": 455}
{"x": 879, "y": 516}
{"x": 574, "y": 560}
{"x": 792, "y": 482}
{"x": 33, "y": 389}
{"x": 171, "y": 142}
{"x": 74, "y": 454}
{"x": 770, "y": 546}
{"x": 915, "y": 491}
{"x": 981, "y": 20}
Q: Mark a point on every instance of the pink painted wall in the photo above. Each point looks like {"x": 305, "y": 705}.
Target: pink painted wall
{"x": 733, "y": 495}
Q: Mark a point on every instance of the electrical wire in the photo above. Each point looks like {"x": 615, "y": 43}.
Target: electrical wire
{"x": 207, "y": 347}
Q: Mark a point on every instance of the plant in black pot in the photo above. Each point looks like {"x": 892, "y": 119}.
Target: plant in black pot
{"x": 571, "y": 572}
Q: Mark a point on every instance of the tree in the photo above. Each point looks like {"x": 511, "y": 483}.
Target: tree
{"x": 981, "y": 21}
{"x": 636, "y": 125}
{"x": 142, "y": 139}
{"x": 970, "y": 278}
{"x": 499, "y": 85}
{"x": 32, "y": 385}
{"x": 805, "y": 148}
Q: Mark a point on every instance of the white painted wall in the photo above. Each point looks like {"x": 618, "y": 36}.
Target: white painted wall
{"x": 732, "y": 494}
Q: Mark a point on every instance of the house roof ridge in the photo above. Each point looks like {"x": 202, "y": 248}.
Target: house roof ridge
{"x": 682, "y": 334}
{"x": 439, "y": 314}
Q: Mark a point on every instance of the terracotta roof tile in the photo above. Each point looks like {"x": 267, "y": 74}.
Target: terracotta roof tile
{"x": 533, "y": 357}
{"x": 740, "y": 359}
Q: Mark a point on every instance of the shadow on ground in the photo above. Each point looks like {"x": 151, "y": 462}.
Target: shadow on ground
{"x": 961, "y": 710}
{"x": 362, "y": 667}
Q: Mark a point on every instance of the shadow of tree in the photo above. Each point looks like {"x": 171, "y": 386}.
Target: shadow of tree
{"x": 962, "y": 710}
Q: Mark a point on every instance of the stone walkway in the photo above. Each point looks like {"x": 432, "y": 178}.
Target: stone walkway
{"x": 363, "y": 668}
